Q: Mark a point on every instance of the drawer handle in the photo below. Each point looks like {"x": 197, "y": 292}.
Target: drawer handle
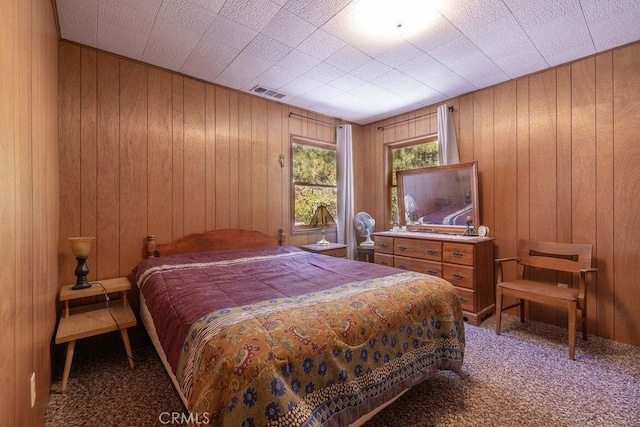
{"x": 463, "y": 300}
{"x": 432, "y": 272}
{"x": 458, "y": 276}
{"x": 432, "y": 251}
{"x": 383, "y": 245}
{"x": 402, "y": 266}
{"x": 457, "y": 254}
{"x": 402, "y": 248}
{"x": 383, "y": 263}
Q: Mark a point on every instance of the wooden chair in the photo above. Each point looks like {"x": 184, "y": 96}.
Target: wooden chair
{"x": 541, "y": 265}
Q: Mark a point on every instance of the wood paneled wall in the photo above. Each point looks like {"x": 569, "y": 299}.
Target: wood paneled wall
{"x": 28, "y": 206}
{"x": 559, "y": 159}
{"x": 146, "y": 151}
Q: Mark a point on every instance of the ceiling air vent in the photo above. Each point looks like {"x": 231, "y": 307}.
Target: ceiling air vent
{"x": 267, "y": 92}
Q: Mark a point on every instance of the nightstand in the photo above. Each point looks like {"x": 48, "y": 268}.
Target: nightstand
{"x": 94, "y": 319}
{"x": 332, "y": 249}
{"x": 364, "y": 253}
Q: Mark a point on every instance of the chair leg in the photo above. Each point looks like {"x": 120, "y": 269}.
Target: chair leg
{"x": 584, "y": 323}
{"x": 521, "y": 311}
{"x": 572, "y": 312}
{"x": 498, "y": 308}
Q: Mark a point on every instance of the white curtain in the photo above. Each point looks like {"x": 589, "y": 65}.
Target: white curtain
{"x": 346, "y": 232}
{"x": 447, "y": 141}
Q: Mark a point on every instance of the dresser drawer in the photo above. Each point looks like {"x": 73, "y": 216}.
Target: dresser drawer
{"x": 338, "y": 253}
{"x": 457, "y": 253}
{"x": 467, "y": 299}
{"x": 383, "y": 259}
{"x": 383, "y": 244}
{"x": 421, "y": 266}
{"x": 415, "y": 248}
{"x": 459, "y": 275}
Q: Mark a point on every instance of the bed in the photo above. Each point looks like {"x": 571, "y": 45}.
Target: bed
{"x": 253, "y": 332}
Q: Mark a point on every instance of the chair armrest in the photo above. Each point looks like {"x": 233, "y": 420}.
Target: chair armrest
{"x": 499, "y": 262}
{"x": 583, "y": 283}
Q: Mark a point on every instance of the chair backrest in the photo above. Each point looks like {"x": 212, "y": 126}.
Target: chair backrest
{"x": 568, "y": 257}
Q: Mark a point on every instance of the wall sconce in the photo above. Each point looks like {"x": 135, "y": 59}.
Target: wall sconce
{"x": 81, "y": 247}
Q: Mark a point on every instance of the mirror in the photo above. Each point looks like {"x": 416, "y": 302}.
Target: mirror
{"x": 439, "y": 198}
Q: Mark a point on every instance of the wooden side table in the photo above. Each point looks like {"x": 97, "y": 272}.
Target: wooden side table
{"x": 332, "y": 249}
{"x": 365, "y": 254}
{"x": 94, "y": 319}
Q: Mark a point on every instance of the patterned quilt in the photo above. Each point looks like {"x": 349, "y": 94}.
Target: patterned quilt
{"x": 309, "y": 340}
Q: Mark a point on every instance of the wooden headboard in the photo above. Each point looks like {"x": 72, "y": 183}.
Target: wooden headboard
{"x": 214, "y": 240}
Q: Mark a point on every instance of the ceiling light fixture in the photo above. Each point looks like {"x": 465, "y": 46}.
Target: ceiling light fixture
{"x": 396, "y": 18}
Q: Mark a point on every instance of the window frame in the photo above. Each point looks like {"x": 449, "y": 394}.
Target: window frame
{"x": 326, "y": 145}
{"x": 389, "y": 147}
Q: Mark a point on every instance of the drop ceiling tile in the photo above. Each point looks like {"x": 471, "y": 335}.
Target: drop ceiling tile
{"x": 230, "y": 33}
{"x": 348, "y": 58}
{"x": 475, "y": 67}
{"x": 439, "y": 32}
{"x": 288, "y": 28}
{"x": 612, "y": 23}
{"x": 187, "y": 15}
{"x": 454, "y": 50}
{"x": 564, "y": 39}
{"x": 148, "y": 6}
{"x": 274, "y": 78}
{"x": 521, "y": 64}
{"x": 395, "y": 81}
{"x": 169, "y": 45}
{"x": 400, "y": 54}
{"x": 267, "y": 49}
{"x": 125, "y": 17}
{"x": 300, "y": 86}
{"x": 79, "y": 21}
{"x": 370, "y": 70}
{"x": 254, "y": 14}
{"x": 346, "y": 25}
{"x": 347, "y": 82}
{"x": 203, "y": 68}
{"x": 242, "y": 71}
{"x": 418, "y": 65}
{"x": 446, "y": 81}
{"x": 366, "y": 90}
{"x": 212, "y": 5}
{"x": 125, "y": 42}
{"x": 299, "y": 61}
{"x": 500, "y": 37}
{"x": 214, "y": 50}
{"x": 321, "y": 45}
{"x": 324, "y": 93}
{"x": 535, "y": 13}
{"x": 324, "y": 73}
{"x": 468, "y": 15}
{"x": 315, "y": 12}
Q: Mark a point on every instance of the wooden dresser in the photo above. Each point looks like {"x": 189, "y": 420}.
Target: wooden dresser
{"x": 465, "y": 261}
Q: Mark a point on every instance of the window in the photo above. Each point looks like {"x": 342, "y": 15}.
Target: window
{"x": 413, "y": 154}
{"x": 314, "y": 181}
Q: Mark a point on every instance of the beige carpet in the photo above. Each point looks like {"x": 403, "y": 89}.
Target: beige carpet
{"x": 521, "y": 378}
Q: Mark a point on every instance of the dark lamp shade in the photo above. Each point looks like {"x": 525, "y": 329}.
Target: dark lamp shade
{"x": 81, "y": 246}
{"x": 321, "y": 217}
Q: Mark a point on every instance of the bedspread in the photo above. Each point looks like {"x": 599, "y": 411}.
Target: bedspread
{"x": 300, "y": 355}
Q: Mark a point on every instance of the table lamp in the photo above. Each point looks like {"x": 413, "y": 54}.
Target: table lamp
{"x": 81, "y": 246}
{"x": 322, "y": 217}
